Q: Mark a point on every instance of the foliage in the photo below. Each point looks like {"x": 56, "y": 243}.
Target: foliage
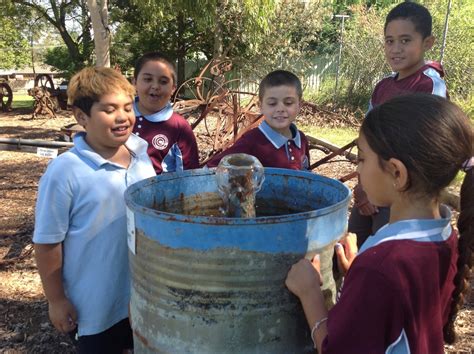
{"x": 185, "y": 29}
{"x": 59, "y": 58}
{"x": 363, "y": 61}
{"x": 458, "y": 58}
{"x": 291, "y": 42}
{"x": 14, "y": 44}
{"x": 71, "y": 20}
{"x": 137, "y": 35}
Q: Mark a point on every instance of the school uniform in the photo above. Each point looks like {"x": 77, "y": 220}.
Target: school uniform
{"x": 271, "y": 148}
{"x": 172, "y": 146}
{"x": 427, "y": 79}
{"x": 396, "y": 295}
{"x": 81, "y": 205}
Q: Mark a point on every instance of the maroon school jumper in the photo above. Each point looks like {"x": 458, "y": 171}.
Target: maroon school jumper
{"x": 271, "y": 148}
{"x": 427, "y": 79}
{"x": 171, "y": 143}
{"x": 398, "y": 290}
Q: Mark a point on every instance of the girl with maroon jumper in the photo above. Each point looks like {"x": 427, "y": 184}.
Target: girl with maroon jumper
{"x": 172, "y": 145}
{"x": 402, "y": 291}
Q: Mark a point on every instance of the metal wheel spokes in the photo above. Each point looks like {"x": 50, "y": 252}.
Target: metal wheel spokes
{"x": 44, "y": 80}
{"x": 6, "y": 95}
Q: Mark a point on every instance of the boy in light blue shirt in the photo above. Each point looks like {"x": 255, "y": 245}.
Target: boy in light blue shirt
{"x": 80, "y": 229}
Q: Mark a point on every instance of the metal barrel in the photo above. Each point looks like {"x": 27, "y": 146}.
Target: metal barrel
{"x": 202, "y": 283}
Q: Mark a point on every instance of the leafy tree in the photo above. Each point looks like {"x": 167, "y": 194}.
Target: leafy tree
{"x": 295, "y": 36}
{"x": 176, "y": 37}
{"x": 60, "y": 13}
{"x": 13, "y": 45}
{"x": 195, "y": 27}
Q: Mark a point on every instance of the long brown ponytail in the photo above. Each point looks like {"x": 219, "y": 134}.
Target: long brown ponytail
{"x": 465, "y": 248}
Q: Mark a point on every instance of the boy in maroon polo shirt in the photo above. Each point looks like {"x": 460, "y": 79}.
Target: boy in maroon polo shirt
{"x": 407, "y": 37}
{"x": 276, "y": 142}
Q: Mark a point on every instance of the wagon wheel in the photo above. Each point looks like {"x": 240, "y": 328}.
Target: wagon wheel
{"x": 198, "y": 88}
{"x": 237, "y": 111}
{"x": 6, "y": 96}
{"x": 44, "y": 80}
{"x": 199, "y": 93}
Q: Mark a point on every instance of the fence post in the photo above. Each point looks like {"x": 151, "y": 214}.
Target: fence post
{"x": 445, "y": 32}
{"x": 343, "y": 17}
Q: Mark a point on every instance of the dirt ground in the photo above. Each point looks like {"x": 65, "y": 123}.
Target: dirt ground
{"x": 24, "y": 323}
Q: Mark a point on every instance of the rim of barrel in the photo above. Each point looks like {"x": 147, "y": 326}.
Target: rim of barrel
{"x": 203, "y": 219}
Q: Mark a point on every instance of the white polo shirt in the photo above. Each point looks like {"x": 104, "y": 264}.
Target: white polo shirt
{"x": 81, "y": 204}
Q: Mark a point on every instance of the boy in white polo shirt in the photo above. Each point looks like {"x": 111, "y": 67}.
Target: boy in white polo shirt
{"x": 80, "y": 228}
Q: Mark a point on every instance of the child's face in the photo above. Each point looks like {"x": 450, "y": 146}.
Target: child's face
{"x": 375, "y": 181}
{"x": 405, "y": 47}
{"x": 280, "y": 106}
{"x": 155, "y": 86}
{"x": 110, "y": 122}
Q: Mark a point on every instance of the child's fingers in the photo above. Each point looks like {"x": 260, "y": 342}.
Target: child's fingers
{"x": 316, "y": 263}
{"x": 342, "y": 261}
{"x": 350, "y": 246}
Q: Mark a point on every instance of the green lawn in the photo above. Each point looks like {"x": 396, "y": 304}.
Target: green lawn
{"x": 22, "y": 101}
{"x": 336, "y": 136}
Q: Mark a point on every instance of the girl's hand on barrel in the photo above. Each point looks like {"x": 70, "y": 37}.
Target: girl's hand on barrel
{"x": 303, "y": 279}
{"x": 63, "y": 315}
{"x": 346, "y": 250}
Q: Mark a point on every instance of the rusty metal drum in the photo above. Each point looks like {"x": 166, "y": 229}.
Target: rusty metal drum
{"x": 203, "y": 283}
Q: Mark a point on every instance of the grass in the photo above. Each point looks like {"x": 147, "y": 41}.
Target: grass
{"x": 22, "y": 101}
{"x": 336, "y": 136}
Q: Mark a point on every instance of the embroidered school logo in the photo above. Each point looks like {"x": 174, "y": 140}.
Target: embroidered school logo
{"x": 160, "y": 142}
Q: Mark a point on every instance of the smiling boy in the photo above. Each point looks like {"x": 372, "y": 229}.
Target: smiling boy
{"x": 276, "y": 142}
{"x": 80, "y": 227}
{"x": 407, "y": 37}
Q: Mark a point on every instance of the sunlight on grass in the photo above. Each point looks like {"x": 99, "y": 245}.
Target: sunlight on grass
{"x": 22, "y": 101}
{"x": 336, "y": 136}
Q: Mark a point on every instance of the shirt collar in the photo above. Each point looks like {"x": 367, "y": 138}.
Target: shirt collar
{"x": 420, "y": 230}
{"x": 276, "y": 138}
{"x": 134, "y": 144}
{"x": 162, "y": 115}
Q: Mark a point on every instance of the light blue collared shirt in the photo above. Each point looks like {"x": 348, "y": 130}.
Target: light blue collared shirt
{"x": 81, "y": 205}
{"x": 162, "y": 115}
{"x": 420, "y": 230}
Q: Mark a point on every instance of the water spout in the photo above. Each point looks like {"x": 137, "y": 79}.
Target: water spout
{"x": 239, "y": 178}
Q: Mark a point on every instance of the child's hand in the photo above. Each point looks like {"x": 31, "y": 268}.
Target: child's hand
{"x": 304, "y": 277}
{"x": 346, "y": 250}
{"x": 63, "y": 315}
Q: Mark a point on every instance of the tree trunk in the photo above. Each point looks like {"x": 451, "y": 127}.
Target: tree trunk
{"x": 99, "y": 17}
{"x": 180, "y": 50}
{"x": 218, "y": 33}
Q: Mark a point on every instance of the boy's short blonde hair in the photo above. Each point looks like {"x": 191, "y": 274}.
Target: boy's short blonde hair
{"x": 91, "y": 83}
